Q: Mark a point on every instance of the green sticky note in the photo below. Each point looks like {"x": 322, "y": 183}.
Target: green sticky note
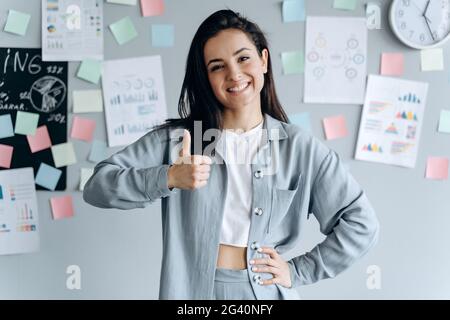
{"x": 345, "y": 4}
{"x": 123, "y": 30}
{"x": 293, "y": 62}
{"x": 17, "y": 22}
{"x": 90, "y": 70}
{"x": 26, "y": 123}
{"x": 444, "y": 121}
{"x": 63, "y": 154}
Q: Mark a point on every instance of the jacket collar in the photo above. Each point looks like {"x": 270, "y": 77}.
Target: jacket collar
{"x": 274, "y": 128}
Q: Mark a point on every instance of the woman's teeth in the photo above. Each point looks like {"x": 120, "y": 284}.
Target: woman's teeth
{"x": 240, "y": 88}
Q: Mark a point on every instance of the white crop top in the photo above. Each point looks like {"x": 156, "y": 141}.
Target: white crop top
{"x": 238, "y": 150}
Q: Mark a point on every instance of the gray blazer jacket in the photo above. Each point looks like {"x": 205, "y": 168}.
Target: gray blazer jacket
{"x": 294, "y": 175}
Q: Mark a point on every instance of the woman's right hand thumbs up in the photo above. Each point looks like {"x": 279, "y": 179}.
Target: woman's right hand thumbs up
{"x": 189, "y": 171}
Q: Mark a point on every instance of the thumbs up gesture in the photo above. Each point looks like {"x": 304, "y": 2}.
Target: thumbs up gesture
{"x": 189, "y": 171}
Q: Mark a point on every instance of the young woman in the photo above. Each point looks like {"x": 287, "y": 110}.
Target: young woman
{"x": 227, "y": 225}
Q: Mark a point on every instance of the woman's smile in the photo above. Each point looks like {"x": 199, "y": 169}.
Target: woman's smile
{"x": 237, "y": 89}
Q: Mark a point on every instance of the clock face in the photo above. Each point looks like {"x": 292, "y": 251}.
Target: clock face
{"x": 421, "y": 23}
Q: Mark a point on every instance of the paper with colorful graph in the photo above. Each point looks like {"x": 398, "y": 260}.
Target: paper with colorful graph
{"x": 391, "y": 121}
{"x": 19, "y": 219}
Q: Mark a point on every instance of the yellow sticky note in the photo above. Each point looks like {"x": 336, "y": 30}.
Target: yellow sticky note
{"x": 63, "y": 154}
{"x": 87, "y": 101}
{"x": 86, "y": 173}
{"x": 432, "y": 59}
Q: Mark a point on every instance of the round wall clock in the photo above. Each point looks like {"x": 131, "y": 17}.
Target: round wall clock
{"x": 421, "y": 24}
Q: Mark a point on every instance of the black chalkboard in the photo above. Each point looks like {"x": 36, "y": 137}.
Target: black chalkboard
{"x": 29, "y": 84}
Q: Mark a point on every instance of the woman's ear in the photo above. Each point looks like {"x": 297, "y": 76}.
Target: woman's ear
{"x": 265, "y": 59}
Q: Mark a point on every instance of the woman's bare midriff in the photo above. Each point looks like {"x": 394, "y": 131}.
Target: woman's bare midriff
{"x": 231, "y": 257}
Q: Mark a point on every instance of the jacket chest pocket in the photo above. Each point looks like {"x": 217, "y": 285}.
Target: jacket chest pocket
{"x": 282, "y": 201}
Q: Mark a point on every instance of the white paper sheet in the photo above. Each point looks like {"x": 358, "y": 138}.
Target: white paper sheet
{"x": 335, "y": 60}
{"x": 391, "y": 121}
{"x": 72, "y": 30}
{"x": 19, "y": 226}
{"x": 133, "y": 97}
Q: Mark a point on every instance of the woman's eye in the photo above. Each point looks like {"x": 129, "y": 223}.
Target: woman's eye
{"x": 217, "y": 67}
{"x": 244, "y": 58}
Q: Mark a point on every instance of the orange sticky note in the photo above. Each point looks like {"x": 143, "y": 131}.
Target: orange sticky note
{"x": 62, "y": 207}
{"x": 437, "y": 168}
{"x": 40, "y": 141}
{"x": 392, "y": 64}
{"x": 5, "y": 155}
{"x": 152, "y": 7}
{"x": 82, "y": 129}
{"x": 335, "y": 127}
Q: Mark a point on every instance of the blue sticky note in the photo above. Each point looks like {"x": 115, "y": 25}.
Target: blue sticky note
{"x": 99, "y": 151}
{"x": 302, "y": 120}
{"x": 90, "y": 70}
{"x": 293, "y": 10}
{"x": 163, "y": 35}
{"x": 6, "y": 127}
{"x": 47, "y": 176}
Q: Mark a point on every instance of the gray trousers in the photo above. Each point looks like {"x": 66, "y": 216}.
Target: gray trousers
{"x": 232, "y": 284}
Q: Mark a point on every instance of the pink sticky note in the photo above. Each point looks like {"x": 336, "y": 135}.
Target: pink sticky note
{"x": 5, "y": 155}
{"x": 437, "y": 168}
{"x": 335, "y": 127}
{"x": 152, "y": 7}
{"x": 82, "y": 128}
{"x": 40, "y": 141}
{"x": 392, "y": 64}
{"x": 62, "y": 207}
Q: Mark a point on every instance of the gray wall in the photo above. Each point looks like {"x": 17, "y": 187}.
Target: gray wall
{"x": 119, "y": 252}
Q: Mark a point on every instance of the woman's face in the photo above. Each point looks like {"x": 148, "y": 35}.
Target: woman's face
{"x": 235, "y": 69}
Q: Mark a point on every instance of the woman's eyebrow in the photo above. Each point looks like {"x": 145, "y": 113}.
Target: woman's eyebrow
{"x": 234, "y": 54}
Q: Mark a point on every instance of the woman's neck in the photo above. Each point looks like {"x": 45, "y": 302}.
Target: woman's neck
{"x": 242, "y": 119}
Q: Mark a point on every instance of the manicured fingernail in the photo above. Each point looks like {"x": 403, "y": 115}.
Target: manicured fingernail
{"x": 254, "y": 268}
{"x": 260, "y": 250}
{"x": 252, "y": 261}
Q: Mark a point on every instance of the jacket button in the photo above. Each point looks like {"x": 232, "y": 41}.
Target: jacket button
{"x": 254, "y": 245}
{"x": 258, "y": 211}
{"x": 258, "y": 174}
{"x": 257, "y": 277}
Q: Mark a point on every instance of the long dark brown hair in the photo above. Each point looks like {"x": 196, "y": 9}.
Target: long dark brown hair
{"x": 197, "y": 100}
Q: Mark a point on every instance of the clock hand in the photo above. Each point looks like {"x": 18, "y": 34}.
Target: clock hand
{"x": 426, "y": 8}
{"x": 429, "y": 29}
{"x": 415, "y": 5}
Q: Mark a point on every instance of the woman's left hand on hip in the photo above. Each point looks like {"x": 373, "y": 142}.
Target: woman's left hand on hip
{"x": 273, "y": 264}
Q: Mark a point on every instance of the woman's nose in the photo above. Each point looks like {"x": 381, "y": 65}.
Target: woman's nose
{"x": 235, "y": 73}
